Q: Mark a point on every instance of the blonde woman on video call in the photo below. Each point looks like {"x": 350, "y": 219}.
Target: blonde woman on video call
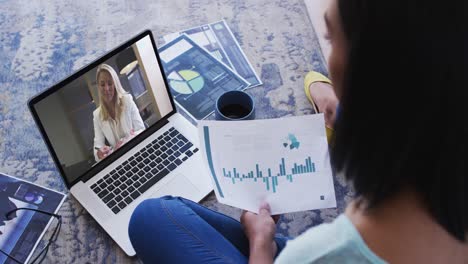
{"x": 117, "y": 119}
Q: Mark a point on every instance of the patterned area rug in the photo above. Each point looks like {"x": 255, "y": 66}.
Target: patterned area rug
{"x": 42, "y": 42}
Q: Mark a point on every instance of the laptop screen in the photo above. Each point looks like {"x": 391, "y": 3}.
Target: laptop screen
{"x": 107, "y": 105}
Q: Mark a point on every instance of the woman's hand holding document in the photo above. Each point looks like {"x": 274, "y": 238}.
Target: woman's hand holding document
{"x": 283, "y": 162}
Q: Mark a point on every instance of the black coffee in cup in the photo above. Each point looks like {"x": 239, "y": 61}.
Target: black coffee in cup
{"x": 235, "y": 111}
{"x": 235, "y": 105}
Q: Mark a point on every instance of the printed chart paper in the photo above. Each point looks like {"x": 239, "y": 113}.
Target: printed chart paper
{"x": 218, "y": 39}
{"x": 22, "y": 231}
{"x": 195, "y": 77}
{"x": 284, "y": 162}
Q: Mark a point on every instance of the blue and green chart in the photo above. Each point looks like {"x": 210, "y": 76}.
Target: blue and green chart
{"x": 284, "y": 162}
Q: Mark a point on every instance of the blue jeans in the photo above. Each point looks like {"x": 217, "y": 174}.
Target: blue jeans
{"x": 177, "y": 230}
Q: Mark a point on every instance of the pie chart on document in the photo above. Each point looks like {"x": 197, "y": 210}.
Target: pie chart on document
{"x": 186, "y": 81}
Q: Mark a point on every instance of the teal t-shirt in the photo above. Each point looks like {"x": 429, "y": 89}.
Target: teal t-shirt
{"x": 336, "y": 242}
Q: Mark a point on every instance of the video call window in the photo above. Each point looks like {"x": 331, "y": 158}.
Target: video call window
{"x": 99, "y": 112}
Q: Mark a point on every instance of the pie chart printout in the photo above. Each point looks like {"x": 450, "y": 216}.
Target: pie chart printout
{"x": 196, "y": 78}
{"x": 186, "y": 81}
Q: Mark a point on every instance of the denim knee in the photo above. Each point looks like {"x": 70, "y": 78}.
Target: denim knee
{"x": 145, "y": 214}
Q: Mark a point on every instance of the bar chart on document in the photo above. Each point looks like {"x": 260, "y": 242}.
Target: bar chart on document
{"x": 284, "y": 162}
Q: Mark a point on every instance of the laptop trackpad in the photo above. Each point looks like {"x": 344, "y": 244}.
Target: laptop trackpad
{"x": 179, "y": 186}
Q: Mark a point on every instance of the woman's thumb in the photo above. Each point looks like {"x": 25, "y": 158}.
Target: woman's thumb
{"x": 264, "y": 209}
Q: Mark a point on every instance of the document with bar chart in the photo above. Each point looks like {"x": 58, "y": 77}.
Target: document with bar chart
{"x": 284, "y": 162}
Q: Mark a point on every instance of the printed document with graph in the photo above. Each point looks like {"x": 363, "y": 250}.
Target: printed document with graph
{"x": 284, "y": 162}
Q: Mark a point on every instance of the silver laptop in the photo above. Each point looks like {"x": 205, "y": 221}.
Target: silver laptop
{"x": 116, "y": 137}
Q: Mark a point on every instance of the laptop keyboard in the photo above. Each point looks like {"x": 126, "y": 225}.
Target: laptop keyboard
{"x": 141, "y": 171}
